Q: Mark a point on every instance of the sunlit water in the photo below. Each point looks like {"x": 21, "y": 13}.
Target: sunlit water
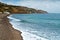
{"x": 37, "y": 26}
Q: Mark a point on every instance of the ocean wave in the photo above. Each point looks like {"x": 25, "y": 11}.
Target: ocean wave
{"x": 29, "y": 36}
{"x": 37, "y": 27}
{"x": 14, "y": 19}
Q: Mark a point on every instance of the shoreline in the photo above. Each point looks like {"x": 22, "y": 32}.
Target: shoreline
{"x": 7, "y": 32}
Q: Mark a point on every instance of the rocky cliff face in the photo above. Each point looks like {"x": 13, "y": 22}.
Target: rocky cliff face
{"x": 18, "y": 9}
{"x": 7, "y": 32}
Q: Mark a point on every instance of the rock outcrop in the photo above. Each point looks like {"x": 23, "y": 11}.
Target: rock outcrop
{"x": 18, "y": 9}
{"x": 7, "y": 32}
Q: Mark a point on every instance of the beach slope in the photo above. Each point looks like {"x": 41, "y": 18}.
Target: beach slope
{"x": 7, "y": 32}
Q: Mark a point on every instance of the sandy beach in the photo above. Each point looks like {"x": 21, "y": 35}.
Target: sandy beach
{"x": 7, "y": 32}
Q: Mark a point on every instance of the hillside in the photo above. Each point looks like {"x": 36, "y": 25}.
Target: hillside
{"x": 18, "y": 9}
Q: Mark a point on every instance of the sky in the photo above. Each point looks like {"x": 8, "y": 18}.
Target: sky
{"x": 51, "y": 6}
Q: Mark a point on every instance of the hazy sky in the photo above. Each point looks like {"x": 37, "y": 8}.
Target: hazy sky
{"x": 52, "y": 6}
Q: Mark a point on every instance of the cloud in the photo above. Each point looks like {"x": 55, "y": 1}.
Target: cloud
{"x": 40, "y": 0}
{"x": 47, "y": 6}
{"x": 29, "y": 0}
{"x": 0, "y": 0}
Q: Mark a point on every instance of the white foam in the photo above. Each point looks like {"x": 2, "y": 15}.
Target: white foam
{"x": 29, "y": 36}
{"x": 26, "y": 35}
{"x": 14, "y": 19}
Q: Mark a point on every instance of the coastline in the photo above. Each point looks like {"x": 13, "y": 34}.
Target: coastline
{"x": 7, "y": 32}
{"x": 13, "y": 9}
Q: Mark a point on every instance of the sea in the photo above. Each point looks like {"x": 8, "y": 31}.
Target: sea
{"x": 37, "y": 26}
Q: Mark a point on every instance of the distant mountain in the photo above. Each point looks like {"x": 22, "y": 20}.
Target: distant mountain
{"x": 18, "y": 9}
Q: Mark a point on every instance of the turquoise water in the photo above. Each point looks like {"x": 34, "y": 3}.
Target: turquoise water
{"x": 37, "y": 26}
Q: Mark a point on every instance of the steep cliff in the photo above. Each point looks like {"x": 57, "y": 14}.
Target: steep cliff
{"x": 18, "y": 9}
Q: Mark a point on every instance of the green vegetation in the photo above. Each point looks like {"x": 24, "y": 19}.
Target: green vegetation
{"x": 18, "y": 9}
